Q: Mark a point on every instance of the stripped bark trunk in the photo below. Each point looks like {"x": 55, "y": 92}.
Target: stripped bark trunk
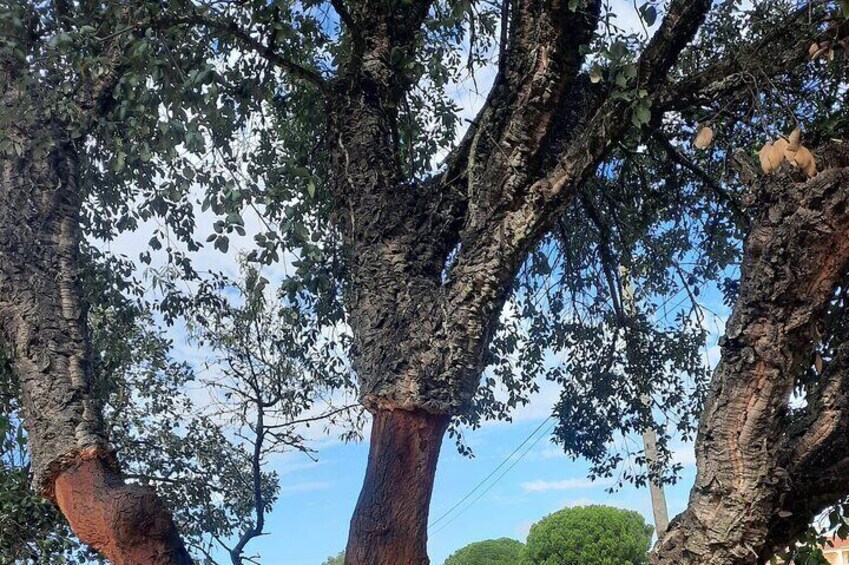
{"x": 389, "y": 525}
{"x": 763, "y": 473}
{"x": 43, "y": 323}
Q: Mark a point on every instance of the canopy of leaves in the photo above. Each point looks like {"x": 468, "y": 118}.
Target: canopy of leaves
{"x": 501, "y": 551}
{"x": 588, "y": 535}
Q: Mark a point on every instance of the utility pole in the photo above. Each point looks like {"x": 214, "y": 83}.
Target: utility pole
{"x": 658, "y": 496}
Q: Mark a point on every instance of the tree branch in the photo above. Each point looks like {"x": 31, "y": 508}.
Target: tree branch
{"x": 782, "y": 49}
{"x": 96, "y": 93}
{"x": 259, "y": 502}
{"x": 546, "y": 198}
{"x": 678, "y": 157}
{"x": 230, "y": 28}
{"x": 345, "y": 16}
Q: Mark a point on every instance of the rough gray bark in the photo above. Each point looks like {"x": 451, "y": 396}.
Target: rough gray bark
{"x": 43, "y": 324}
{"x": 419, "y": 339}
{"x": 763, "y": 473}
{"x": 42, "y": 319}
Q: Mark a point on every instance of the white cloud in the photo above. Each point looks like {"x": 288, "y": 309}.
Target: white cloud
{"x": 307, "y": 486}
{"x": 552, "y": 453}
{"x": 580, "y": 502}
{"x": 523, "y": 529}
{"x": 565, "y": 484}
{"x": 684, "y": 455}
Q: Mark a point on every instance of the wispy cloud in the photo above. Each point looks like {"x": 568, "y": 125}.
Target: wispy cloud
{"x": 308, "y": 486}
{"x": 554, "y": 452}
{"x": 584, "y": 501}
{"x": 523, "y": 529}
{"x": 566, "y": 484}
{"x": 684, "y": 455}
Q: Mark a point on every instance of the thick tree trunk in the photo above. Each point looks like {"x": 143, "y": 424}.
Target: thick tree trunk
{"x": 764, "y": 471}
{"x": 431, "y": 264}
{"x": 126, "y": 523}
{"x": 43, "y": 326}
{"x": 389, "y": 526}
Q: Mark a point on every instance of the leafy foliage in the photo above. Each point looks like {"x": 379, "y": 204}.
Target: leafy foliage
{"x": 335, "y": 560}
{"x": 502, "y": 551}
{"x": 589, "y": 535}
{"x": 265, "y": 389}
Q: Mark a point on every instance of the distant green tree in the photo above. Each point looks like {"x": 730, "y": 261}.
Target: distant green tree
{"x": 501, "y": 551}
{"x": 588, "y": 535}
{"x": 337, "y": 560}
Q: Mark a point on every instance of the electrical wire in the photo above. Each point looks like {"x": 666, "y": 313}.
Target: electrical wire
{"x": 488, "y": 488}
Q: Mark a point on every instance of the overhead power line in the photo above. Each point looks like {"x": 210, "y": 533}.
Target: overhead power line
{"x": 491, "y": 474}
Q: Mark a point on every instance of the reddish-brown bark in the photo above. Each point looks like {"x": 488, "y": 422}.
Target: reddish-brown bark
{"x": 389, "y": 526}
{"x": 126, "y": 523}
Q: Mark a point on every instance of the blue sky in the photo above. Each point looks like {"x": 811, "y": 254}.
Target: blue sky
{"x": 310, "y": 521}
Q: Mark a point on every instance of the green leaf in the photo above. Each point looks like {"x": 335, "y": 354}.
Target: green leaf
{"x": 144, "y": 153}
{"x": 642, "y": 116}
{"x": 222, "y": 243}
{"x": 118, "y": 161}
{"x": 235, "y": 218}
{"x": 649, "y": 14}
{"x": 621, "y": 80}
{"x": 618, "y": 50}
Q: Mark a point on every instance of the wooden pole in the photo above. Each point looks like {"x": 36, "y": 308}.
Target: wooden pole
{"x": 658, "y": 496}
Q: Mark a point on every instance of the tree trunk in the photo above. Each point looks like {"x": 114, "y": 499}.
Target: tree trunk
{"x": 658, "y": 495}
{"x": 43, "y": 326}
{"x": 764, "y": 471}
{"x": 389, "y": 526}
{"x": 126, "y": 523}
